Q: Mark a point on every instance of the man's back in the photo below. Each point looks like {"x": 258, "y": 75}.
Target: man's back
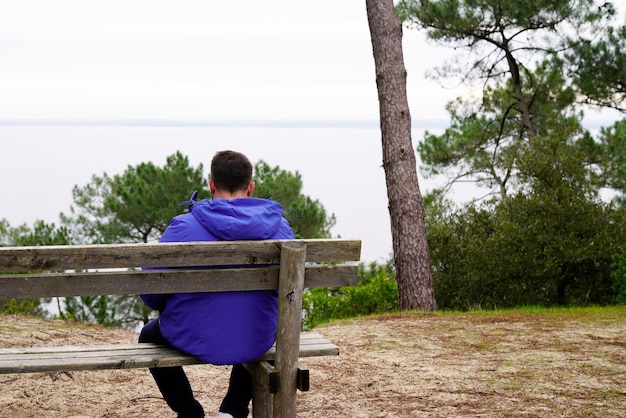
{"x": 223, "y": 328}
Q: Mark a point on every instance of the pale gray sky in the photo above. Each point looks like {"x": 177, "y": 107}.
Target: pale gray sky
{"x": 198, "y": 59}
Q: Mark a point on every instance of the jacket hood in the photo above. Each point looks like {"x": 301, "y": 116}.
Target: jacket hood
{"x": 239, "y": 219}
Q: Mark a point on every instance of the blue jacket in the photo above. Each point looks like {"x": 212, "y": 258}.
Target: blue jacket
{"x": 223, "y": 327}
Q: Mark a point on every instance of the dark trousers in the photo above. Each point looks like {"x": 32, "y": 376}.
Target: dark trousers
{"x": 176, "y": 390}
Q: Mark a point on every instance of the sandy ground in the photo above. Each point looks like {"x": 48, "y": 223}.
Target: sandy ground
{"x": 510, "y": 364}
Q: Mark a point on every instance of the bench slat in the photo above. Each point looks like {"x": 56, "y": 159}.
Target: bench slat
{"x": 165, "y": 281}
{"x": 64, "y": 257}
{"x": 306, "y": 339}
{"x": 123, "y": 356}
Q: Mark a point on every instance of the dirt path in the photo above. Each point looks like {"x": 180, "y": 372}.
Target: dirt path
{"x": 513, "y": 364}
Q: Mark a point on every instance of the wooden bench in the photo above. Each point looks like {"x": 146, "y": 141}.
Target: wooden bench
{"x": 86, "y": 270}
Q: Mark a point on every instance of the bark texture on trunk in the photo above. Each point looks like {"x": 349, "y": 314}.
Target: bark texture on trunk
{"x": 406, "y": 206}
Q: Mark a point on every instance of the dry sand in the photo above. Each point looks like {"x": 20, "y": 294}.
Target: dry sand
{"x": 500, "y": 364}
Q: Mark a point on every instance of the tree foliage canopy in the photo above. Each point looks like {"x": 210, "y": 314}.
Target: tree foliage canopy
{"x": 520, "y": 50}
{"x": 599, "y": 58}
{"x": 504, "y": 37}
{"x": 612, "y": 159}
{"x": 546, "y": 237}
{"x": 135, "y": 206}
{"x": 307, "y": 216}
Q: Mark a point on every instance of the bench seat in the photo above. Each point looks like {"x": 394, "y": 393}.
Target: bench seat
{"x": 126, "y": 356}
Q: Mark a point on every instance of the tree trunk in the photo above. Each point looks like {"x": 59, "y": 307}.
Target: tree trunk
{"x": 516, "y": 79}
{"x": 406, "y": 207}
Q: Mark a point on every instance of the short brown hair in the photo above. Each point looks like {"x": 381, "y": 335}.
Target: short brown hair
{"x": 231, "y": 171}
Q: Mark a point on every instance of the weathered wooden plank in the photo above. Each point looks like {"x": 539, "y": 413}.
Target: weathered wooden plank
{"x": 70, "y": 257}
{"x": 308, "y": 344}
{"x": 264, "y": 373}
{"x": 165, "y": 281}
{"x": 29, "y": 363}
{"x": 261, "y": 373}
{"x": 140, "y": 355}
{"x": 291, "y": 283}
{"x": 312, "y": 350}
{"x": 136, "y": 282}
{"x": 337, "y": 275}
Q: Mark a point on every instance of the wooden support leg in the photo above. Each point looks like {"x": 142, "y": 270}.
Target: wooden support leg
{"x": 290, "y": 287}
{"x": 264, "y": 379}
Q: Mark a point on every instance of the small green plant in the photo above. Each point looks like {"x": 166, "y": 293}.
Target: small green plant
{"x": 376, "y": 293}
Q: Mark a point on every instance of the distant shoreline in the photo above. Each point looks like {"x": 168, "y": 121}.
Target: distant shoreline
{"x": 228, "y": 123}
{"x": 245, "y": 123}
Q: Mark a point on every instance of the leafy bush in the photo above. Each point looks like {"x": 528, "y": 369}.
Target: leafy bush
{"x": 377, "y": 292}
{"x": 529, "y": 249}
{"x": 619, "y": 277}
{"x": 21, "y": 307}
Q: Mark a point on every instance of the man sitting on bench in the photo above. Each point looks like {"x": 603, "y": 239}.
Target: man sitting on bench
{"x": 223, "y": 327}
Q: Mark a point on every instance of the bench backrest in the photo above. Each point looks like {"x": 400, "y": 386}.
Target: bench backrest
{"x": 82, "y": 270}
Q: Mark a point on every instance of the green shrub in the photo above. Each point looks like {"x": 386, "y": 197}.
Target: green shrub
{"x": 618, "y": 274}
{"x": 376, "y": 293}
{"x": 21, "y": 307}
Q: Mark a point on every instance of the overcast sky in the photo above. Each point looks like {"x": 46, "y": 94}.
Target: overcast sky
{"x": 192, "y": 59}
{"x": 202, "y": 59}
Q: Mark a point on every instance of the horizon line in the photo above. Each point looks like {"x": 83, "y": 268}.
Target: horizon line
{"x": 227, "y": 123}
{"x": 434, "y": 123}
